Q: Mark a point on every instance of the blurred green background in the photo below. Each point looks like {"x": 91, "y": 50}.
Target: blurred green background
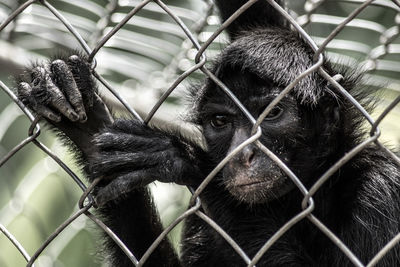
{"x": 141, "y": 61}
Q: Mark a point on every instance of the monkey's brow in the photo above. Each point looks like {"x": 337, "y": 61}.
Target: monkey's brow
{"x": 262, "y": 100}
{"x": 219, "y": 107}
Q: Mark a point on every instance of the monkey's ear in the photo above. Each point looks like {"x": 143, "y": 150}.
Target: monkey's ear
{"x": 260, "y": 15}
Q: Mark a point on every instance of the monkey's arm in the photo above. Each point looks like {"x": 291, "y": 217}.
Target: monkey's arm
{"x": 65, "y": 94}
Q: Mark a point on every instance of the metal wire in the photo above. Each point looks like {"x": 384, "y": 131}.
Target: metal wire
{"x": 86, "y": 202}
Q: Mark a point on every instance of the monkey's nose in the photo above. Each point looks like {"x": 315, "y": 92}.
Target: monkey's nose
{"x": 247, "y": 155}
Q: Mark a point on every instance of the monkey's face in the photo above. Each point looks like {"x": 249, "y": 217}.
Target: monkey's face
{"x": 251, "y": 176}
{"x": 256, "y": 68}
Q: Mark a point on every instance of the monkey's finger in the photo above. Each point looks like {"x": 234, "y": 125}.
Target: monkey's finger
{"x": 137, "y": 134}
{"x": 113, "y": 162}
{"x": 60, "y": 103}
{"x": 115, "y": 140}
{"x": 122, "y": 185}
{"x": 45, "y": 92}
{"x": 25, "y": 94}
{"x": 80, "y": 69}
{"x": 48, "y": 113}
{"x": 65, "y": 81}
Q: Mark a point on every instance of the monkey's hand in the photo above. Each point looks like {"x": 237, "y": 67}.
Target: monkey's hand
{"x": 131, "y": 155}
{"x": 65, "y": 94}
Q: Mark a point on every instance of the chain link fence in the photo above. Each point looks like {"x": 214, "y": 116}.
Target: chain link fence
{"x": 378, "y": 59}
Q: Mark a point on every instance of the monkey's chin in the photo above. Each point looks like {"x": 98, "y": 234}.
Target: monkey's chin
{"x": 258, "y": 190}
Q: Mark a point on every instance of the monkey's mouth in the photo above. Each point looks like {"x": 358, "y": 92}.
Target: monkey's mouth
{"x": 251, "y": 184}
{"x": 249, "y": 180}
{"x": 254, "y": 189}
{"x": 245, "y": 184}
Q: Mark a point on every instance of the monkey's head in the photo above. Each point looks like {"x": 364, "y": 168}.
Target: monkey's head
{"x": 304, "y": 129}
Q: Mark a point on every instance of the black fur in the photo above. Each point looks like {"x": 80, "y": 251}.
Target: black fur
{"x": 251, "y": 198}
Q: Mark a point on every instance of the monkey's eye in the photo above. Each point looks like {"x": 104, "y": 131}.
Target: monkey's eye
{"x": 219, "y": 121}
{"x": 275, "y": 113}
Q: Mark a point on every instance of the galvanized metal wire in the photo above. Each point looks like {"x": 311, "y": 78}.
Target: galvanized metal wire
{"x": 386, "y": 46}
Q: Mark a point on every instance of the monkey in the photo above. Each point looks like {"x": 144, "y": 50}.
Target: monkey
{"x": 251, "y": 198}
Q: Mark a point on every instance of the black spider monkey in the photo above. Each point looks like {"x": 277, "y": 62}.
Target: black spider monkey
{"x": 251, "y": 198}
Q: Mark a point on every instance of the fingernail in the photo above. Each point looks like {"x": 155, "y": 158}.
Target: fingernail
{"x": 82, "y": 117}
{"x": 54, "y": 118}
{"x": 73, "y": 116}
